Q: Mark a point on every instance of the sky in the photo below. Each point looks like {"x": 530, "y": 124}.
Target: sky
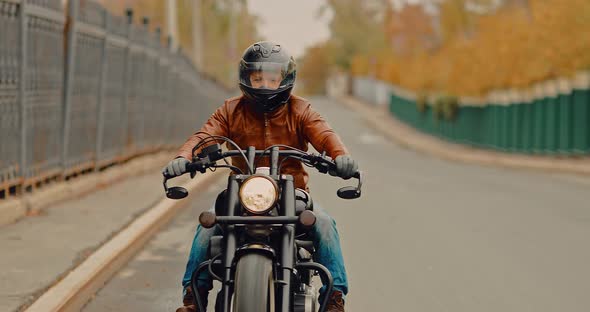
{"x": 293, "y": 24}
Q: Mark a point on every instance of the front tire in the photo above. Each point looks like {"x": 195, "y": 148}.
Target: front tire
{"x": 254, "y": 285}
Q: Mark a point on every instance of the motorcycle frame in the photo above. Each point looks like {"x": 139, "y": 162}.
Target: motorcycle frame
{"x": 287, "y": 218}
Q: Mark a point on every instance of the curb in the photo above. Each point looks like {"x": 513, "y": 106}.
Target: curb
{"x": 382, "y": 120}
{"x": 77, "y": 287}
{"x": 11, "y": 210}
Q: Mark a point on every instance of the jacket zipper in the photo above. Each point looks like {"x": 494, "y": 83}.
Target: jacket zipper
{"x": 265, "y": 126}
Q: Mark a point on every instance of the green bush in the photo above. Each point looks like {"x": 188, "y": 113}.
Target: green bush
{"x": 450, "y": 107}
{"x": 445, "y": 107}
{"x": 437, "y": 109}
{"x": 421, "y": 103}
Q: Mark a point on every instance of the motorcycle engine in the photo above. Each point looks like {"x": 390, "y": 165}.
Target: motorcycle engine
{"x": 305, "y": 301}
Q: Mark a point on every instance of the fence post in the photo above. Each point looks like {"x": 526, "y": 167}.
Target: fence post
{"x": 68, "y": 79}
{"x": 176, "y": 89}
{"x": 539, "y": 119}
{"x": 527, "y": 121}
{"x": 101, "y": 91}
{"x": 144, "y": 97}
{"x": 171, "y": 92}
{"x": 504, "y": 115}
{"x": 514, "y": 121}
{"x": 581, "y": 114}
{"x": 552, "y": 110}
{"x": 566, "y": 121}
{"x": 127, "y": 61}
{"x": 22, "y": 90}
{"x": 157, "y": 95}
{"x": 494, "y": 111}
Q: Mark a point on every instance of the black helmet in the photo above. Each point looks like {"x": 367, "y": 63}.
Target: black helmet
{"x": 271, "y": 61}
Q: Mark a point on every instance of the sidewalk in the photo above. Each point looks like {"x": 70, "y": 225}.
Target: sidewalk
{"x": 381, "y": 119}
{"x": 37, "y": 251}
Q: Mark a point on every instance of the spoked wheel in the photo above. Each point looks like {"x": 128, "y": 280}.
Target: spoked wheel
{"x": 254, "y": 286}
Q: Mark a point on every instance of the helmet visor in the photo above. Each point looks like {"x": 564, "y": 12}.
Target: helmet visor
{"x": 267, "y": 75}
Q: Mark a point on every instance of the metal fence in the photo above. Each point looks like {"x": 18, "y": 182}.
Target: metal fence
{"x": 87, "y": 90}
{"x": 549, "y": 118}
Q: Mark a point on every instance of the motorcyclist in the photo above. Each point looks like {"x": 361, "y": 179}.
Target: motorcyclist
{"x": 265, "y": 114}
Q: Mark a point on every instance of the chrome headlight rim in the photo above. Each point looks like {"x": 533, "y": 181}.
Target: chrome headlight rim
{"x": 275, "y": 193}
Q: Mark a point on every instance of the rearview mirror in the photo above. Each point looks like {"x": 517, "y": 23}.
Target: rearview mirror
{"x": 177, "y": 192}
{"x": 349, "y": 192}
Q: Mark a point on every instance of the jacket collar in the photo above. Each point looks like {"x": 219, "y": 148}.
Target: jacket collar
{"x": 277, "y": 112}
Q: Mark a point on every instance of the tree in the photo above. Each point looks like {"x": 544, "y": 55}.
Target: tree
{"x": 356, "y": 28}
{"x": 314, "y": 69}
{"x": 411, "y": 30}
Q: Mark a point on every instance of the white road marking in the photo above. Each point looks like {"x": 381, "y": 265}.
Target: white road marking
{"x": 371, "y": 138}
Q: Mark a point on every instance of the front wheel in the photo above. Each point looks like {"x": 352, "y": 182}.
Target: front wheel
{"x": 254, "y": 286}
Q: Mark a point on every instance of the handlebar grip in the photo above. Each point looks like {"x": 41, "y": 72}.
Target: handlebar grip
{"x": 195, "y": 166}
{"x": 191, "y": 167}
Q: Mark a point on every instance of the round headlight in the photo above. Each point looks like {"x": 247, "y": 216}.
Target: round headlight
{"x": 258, "y": 194}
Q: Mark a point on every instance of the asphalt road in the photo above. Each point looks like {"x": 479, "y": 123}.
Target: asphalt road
{"x": 427, "y": 235}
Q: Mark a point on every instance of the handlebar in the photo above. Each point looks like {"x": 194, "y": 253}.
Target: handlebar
{"x": 321, "y": 162}
{"x": 210, "y": 155}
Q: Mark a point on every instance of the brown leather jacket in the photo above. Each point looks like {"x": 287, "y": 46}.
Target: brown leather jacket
{"x": 295, "y": 124}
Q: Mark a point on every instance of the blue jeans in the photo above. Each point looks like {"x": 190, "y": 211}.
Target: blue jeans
{"x": 325, "y": 239}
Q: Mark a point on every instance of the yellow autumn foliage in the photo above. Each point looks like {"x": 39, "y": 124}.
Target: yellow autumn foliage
{"x": 510, "y": 48}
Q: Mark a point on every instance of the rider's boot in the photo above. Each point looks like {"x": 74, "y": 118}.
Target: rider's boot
{"x": 335, "y": 303}
{"x": 189, "y": 303}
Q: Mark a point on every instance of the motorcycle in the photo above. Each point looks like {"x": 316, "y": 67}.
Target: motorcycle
{"x": 264, "y": 257}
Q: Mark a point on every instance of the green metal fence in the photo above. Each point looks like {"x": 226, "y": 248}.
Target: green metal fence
{"x": 551, "y": 118}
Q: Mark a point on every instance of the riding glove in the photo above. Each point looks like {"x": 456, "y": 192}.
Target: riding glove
{"x": 345, "y": 167}
{"x": 176, "y": 167}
